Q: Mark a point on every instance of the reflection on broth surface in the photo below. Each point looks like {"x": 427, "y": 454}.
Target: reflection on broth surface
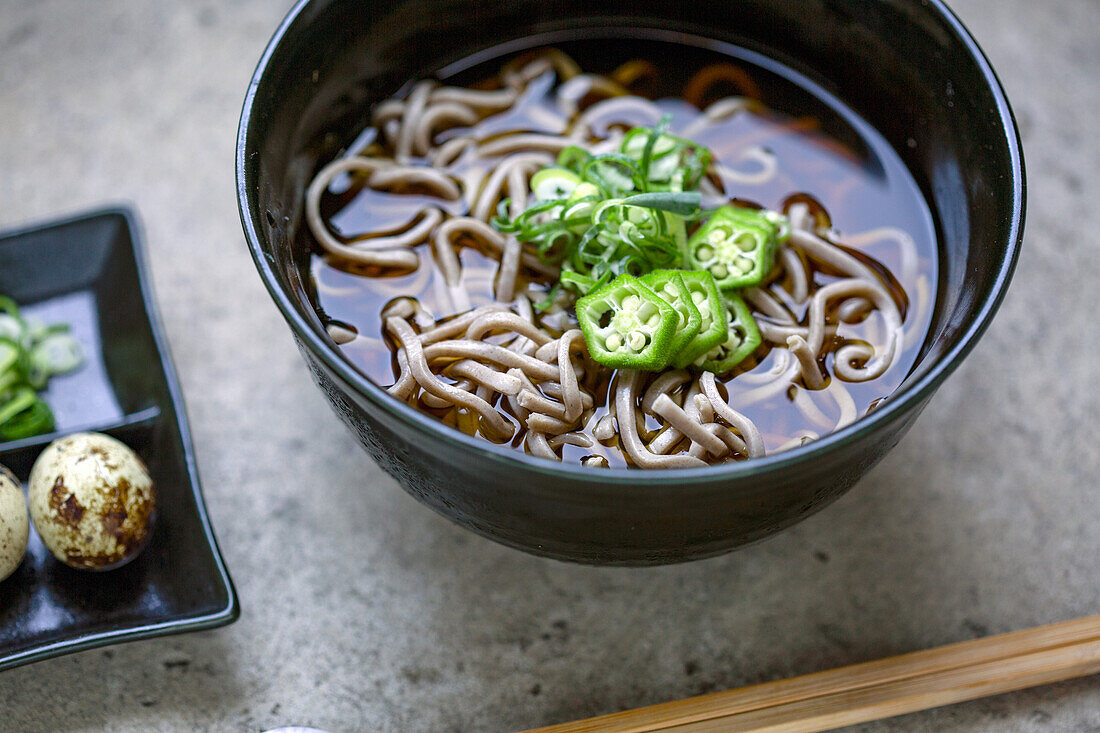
{"x": 400, "y": 255}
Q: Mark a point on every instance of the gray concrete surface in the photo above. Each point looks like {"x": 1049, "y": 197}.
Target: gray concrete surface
{"x": 383, "y": 616}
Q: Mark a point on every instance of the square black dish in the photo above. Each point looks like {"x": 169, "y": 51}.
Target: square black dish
{"x": 89, "y": 271}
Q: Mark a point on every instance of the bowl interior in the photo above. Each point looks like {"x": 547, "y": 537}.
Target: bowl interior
{"x": 906, "y": 67}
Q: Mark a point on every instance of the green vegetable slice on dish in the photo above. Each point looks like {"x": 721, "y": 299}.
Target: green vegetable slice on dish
{"x": 30, "y": 353}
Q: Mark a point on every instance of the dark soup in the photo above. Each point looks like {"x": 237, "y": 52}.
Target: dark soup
{"x": 665, "y": 259}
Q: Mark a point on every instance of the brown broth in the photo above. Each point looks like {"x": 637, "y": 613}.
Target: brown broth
{"x": 826, "y": 155}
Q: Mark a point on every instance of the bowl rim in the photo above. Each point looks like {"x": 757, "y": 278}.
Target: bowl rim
{"x": 907, "y": 396}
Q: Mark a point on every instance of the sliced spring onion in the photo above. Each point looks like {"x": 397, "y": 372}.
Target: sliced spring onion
{"x": 670, "y": 162}
{"x": 600, "y": 216}
{"x": 552, "y": 184}
{"x": 56, "y": 353}
{"x": 30, "y": 353}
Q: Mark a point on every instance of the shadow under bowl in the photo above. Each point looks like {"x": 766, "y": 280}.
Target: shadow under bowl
{"x": 907, "y": 67}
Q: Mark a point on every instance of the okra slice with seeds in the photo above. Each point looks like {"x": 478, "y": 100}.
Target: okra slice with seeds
{"x": 627, "y": 326}
{"x": 669, "y": 284}
{"x": 737, "y": 246}
{"x": 742, "y": 338}
{"x": 712, "y": 317}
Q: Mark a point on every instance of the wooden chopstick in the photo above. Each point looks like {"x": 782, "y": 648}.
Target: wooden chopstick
{"x": 873, "y": 690}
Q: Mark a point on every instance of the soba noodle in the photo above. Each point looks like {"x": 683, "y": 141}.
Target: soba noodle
{"x": 502, "y": 371}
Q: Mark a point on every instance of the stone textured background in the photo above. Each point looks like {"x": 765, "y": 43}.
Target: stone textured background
{"x": 363, "y": 610}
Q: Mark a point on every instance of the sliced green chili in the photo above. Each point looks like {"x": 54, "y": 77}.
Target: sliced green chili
{"x": 737, "y": 246}
{"x": 627, "y": 326}
{"x": 742, "y": 338}
{"x": 712, "y": 317}
{"x": 669, "y": 284}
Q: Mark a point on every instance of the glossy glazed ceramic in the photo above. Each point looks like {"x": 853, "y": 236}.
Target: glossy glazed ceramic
{"x": 89, "y": 271}
{"x": 908, "y": 67}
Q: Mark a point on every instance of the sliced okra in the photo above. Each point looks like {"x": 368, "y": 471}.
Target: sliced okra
{"x": 737, "y": 246}
{"x": 669, "y": 284}
{"x": 742, "y": 338}
{"x": 712, "y": 317}
{"x": 627, "y": 326}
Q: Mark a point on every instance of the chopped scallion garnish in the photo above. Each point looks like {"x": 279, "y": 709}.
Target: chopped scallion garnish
{"x": 608, "y": 219}
{"x": 601, "y": 216}
{"x": 30, "y": 353}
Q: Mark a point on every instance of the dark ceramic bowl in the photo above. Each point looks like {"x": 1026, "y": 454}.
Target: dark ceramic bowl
{"x": 906, "y": 66}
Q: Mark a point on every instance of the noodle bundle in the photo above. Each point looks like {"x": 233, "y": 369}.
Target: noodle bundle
{"x": 478, "y": 338}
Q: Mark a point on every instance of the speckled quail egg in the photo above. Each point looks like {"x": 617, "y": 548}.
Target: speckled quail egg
{"x": 14, "y": 526}
{"x": 92, "y": 501}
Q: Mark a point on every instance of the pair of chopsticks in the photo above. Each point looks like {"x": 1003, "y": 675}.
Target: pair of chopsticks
{"x": 873, "y": 690}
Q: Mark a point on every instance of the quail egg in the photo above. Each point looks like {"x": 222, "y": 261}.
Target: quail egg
{"x": 14, "y": 526}
{"x": 92, "y": 501}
